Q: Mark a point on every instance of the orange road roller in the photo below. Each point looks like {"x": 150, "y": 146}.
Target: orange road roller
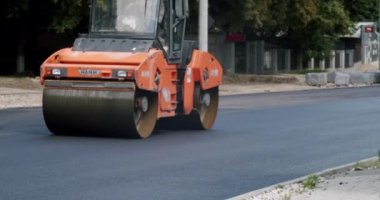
{"x": 131, "y": 69}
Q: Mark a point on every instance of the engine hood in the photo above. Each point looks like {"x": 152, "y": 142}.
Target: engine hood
{"x": 69, "y": 56}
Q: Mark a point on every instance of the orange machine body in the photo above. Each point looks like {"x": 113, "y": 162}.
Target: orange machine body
{"x": 148, "y": 71}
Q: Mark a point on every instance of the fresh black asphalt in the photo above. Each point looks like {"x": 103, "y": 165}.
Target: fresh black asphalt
{"x": 258, "y": 140}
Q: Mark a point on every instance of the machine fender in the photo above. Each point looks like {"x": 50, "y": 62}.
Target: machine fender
{"x": 206, "y": 69}
{"x": 188, "y": 88}
{"x": 203, "y": 69}
{"x": 146, "y": 72}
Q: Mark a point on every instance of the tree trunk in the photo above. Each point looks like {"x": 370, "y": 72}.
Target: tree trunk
{"x": 20, "y": 60}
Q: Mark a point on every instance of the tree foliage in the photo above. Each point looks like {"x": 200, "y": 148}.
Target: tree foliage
{"x": 263, "y": 16}
{"x": 324, "y": 30}
{"x": 231, "y": 15}
{"x": 300, "y": 13}
{"x": 16, "y": 8}
{"x": 58, "y": 15}
{"x": 70, "y": 13}
{"x": 363, "y": 10}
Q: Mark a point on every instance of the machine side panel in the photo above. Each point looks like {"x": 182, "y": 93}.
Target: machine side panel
{"x": 155, "y": 74}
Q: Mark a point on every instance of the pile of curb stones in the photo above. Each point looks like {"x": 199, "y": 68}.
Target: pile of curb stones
{"x": 342, "y": 78}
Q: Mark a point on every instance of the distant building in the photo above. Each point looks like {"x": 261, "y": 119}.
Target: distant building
{"x": 365, "y": 41}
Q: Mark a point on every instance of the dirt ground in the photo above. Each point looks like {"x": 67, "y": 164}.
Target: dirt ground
{"x": 18, "y": 92}
{"x": 245, "y": 84}
{"x": 24, "y": 83}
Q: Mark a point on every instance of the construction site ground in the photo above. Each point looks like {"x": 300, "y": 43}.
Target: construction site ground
{"x": 17, "y": 92}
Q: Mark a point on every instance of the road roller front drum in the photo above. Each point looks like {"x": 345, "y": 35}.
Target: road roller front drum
{"x": 130, "y": 114}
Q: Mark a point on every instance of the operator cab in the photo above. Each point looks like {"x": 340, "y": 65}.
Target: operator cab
{"x": 136, "y": 26}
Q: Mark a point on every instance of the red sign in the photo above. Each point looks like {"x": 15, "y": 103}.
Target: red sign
{"x": 369, "y": 29}
{"x": 236, "y": 37}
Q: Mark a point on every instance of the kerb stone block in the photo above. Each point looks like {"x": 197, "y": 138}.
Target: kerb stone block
{"x": 316, "y": 79}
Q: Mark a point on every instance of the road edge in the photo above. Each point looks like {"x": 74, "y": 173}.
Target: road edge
{"x": 326, "y": 172}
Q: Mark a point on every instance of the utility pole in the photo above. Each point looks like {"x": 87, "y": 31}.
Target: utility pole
{"x": 203, "y": 25}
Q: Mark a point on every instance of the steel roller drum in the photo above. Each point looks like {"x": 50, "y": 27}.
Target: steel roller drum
{"x": 70, "y": 111}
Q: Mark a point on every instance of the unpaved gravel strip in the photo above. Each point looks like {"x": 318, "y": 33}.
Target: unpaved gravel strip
{"x": 16, "y": 98}
{"x": 231, "y": 89}
{"x": 20, "y": 100}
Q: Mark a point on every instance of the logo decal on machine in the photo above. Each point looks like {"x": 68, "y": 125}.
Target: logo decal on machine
{"x": 214, "y": 72}
{"x": 188, "y": 75}
{"x": 145, "y": 74}
{"x": 166, "y": 94}
{"x": 89, "y": 72}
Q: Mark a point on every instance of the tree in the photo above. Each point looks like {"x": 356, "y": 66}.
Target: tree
{"x": 27, "y": 18}
{"x": 16, "y": 11}
{"x": 263, "y": 17}
{"x": 324, "y": 30}
{"x": 300, "y": 13}
{"x": 70, "y": 13}
{"x": 362, "y": 10}
{"x": 232, "y": 15}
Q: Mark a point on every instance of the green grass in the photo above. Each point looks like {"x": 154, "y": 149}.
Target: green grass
{"x": 311, "y": 182}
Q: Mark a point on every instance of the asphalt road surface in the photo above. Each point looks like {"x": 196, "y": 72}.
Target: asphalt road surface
{"x": 258, "y": 140}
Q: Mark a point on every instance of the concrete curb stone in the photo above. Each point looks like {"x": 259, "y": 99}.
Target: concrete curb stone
{"x": 343, "y": 78}
{"x": 357, "y": 78}
{"x": 316, "y": 79}
{"x": 376, "y": 77}
{"x": 338, "y": 78}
